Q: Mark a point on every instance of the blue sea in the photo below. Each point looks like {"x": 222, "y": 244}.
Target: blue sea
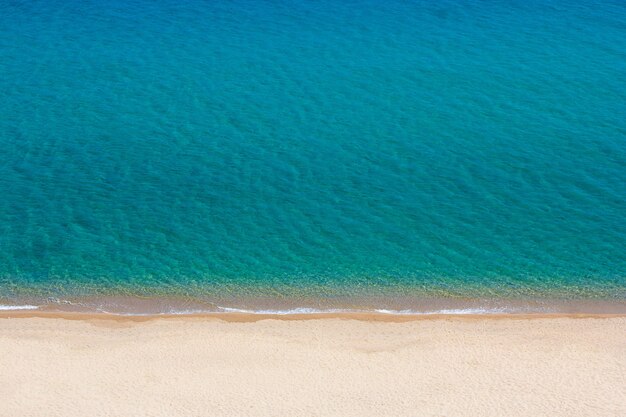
{"x": 286, "y": 150}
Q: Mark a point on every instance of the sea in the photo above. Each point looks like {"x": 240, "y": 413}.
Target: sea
{"x": 400, "y": 156}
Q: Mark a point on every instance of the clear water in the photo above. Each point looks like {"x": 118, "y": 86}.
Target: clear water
{"x": 313, "y": 148}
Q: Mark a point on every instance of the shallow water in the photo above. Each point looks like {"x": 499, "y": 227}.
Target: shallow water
{"x": 313, "y": 149}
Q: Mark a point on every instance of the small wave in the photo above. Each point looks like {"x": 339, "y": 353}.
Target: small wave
{"x": 299, "y": 310}
{"x": 172, "y": 312}
{"x": 303, "y": 310}
{"x": 454, "y": 311}
{"x": 276, "y": 312}
{"x": 471, "y": 311}
{"x": 21, "y": 307}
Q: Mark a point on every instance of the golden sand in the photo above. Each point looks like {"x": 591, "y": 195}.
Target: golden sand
{"x": 348, "y": 365}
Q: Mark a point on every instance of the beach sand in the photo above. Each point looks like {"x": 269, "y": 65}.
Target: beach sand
{"x": 242, "y": 365}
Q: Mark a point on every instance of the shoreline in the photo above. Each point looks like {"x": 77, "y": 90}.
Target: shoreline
{"x": 383, "y": 306}
{"x": 252, "y": 318}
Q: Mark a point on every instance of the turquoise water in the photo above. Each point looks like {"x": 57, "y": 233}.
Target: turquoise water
{"x": 318, "y": 149}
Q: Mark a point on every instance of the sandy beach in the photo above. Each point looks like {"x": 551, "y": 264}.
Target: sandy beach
{"x": 242, "y": 365}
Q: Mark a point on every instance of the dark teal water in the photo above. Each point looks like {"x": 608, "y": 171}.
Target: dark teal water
{"x": 318, "y": 149}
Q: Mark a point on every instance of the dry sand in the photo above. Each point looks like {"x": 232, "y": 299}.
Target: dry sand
{"x": 243, "y": 366}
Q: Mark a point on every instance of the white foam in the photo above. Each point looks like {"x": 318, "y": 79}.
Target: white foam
{"x": 299, "y": 310}
{"x": 398, "y": 312}
{"x": 303, "y": 310}
{"x": 172, "y": 312}
{"x": 22, "y": 307}
{"x": 456, "y": 311}
{"x": 471, "y": 311}
{"x": 293, "y": 311}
